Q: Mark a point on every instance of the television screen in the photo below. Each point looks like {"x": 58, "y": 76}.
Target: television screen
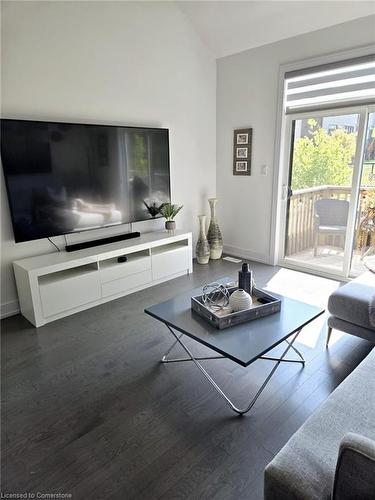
{"x": 64, "y": 178}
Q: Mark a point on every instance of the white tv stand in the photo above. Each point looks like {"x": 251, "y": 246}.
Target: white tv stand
{"x": 56, "y": 285}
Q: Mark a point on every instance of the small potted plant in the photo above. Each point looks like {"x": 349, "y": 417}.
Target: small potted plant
{"x": 169, "y": 212}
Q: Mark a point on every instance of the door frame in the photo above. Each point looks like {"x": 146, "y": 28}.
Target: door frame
{"x": 368, "y": 110}
{"x": 286, "y": 164}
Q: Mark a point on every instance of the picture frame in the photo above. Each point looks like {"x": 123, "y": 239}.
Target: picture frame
{"x": 241, "y": 166}
{"x": 243, "y": 138}
{"x": 241, "y": 152}
{"x": 242, "y": 148}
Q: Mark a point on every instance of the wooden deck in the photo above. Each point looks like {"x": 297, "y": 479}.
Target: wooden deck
{"x": 329, "y": 257}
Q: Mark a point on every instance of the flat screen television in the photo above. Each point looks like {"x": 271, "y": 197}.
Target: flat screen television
{"x": 67, "y": 177}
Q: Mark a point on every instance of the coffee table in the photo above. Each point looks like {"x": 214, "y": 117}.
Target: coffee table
{"x": 244, "y": 344}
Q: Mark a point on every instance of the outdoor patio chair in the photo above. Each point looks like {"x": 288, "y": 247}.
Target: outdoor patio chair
{"x": 330, "y": 218}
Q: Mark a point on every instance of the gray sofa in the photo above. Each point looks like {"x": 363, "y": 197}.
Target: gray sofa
{"x": 332, "y": 456}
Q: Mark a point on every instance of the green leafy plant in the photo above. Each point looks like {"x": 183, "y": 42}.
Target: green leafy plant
{"x": 169, "y": 210}
{"x": 153, "y": 209}
{"x": 323, "y": 158}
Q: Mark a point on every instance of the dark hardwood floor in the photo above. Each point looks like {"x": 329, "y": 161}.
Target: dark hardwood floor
{"x": 89, "y": 410}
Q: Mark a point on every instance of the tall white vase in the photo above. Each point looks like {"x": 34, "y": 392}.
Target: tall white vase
{"x": 203, "y": 248}
{"x": 214, "y": 234}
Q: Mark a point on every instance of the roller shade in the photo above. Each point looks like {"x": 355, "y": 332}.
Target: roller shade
{"x": 344, "y": 83}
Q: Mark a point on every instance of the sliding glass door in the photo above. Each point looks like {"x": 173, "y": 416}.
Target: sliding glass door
{"x": 325, "y": 185}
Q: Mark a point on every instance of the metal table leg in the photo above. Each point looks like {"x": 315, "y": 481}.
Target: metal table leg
{"x": 195, "y": 360}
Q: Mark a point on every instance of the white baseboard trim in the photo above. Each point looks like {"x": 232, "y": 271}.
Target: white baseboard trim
{"x": 9, "y": 309}
{"x": 247, "y": 254}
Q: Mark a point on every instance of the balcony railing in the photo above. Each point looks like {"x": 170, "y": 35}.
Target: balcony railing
{"x": 301, "y": 216}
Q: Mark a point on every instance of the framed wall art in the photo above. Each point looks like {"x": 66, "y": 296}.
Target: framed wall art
{"x": 242, "y": 151}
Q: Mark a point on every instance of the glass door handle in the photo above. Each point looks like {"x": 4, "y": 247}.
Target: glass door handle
{"x": 286, "y": 192}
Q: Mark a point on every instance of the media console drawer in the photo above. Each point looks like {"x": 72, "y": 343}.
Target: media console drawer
{"x": 171, "y": 262}
{"x": 64, "y": 294}
{"x": 125, "y": 284}
{"x": 113, "y": 270}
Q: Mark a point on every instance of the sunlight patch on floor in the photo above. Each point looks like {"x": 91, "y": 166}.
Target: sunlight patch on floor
{"x": 314, "y": 333}
{"x": 312, "y": 290}
{"x": 336, "y": 336}
{"x": 301, "y": 286}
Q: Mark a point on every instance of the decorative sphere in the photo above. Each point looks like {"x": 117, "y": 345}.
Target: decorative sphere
{"x": 215, "y": 296}
{"x": 240, "y": 300}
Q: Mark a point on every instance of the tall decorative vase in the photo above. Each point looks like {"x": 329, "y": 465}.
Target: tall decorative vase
{"x": 214, "y": 234}
{"x": 203, "y": 248}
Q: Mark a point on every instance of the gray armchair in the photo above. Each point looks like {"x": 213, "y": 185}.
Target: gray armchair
{"x": 350, "y": 308}
{"x": 355, "y": 469}
{"x": 330, "y": 217}
{"x": 297, "y": 474}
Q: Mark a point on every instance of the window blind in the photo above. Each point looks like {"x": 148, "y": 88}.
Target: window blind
{"x": 345, "y": 83}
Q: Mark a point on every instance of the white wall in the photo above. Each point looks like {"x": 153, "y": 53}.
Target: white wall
{"x": 247, "y": 97}
{"x": 111, "y": 62}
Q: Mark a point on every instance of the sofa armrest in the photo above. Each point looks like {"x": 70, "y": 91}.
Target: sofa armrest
{"x": 355, "y": 469}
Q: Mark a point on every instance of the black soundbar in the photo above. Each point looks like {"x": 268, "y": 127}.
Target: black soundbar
{"x": 103, "y": 241}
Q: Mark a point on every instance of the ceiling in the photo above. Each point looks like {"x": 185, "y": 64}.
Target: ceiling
{"x": 227, "y": 27}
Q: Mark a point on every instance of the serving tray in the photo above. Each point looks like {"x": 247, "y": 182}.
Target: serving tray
{"x": 264, "y": 304}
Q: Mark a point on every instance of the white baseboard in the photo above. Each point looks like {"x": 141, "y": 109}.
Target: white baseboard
{"x": 247, "y": 254}
{"x": 9, "y": 309}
